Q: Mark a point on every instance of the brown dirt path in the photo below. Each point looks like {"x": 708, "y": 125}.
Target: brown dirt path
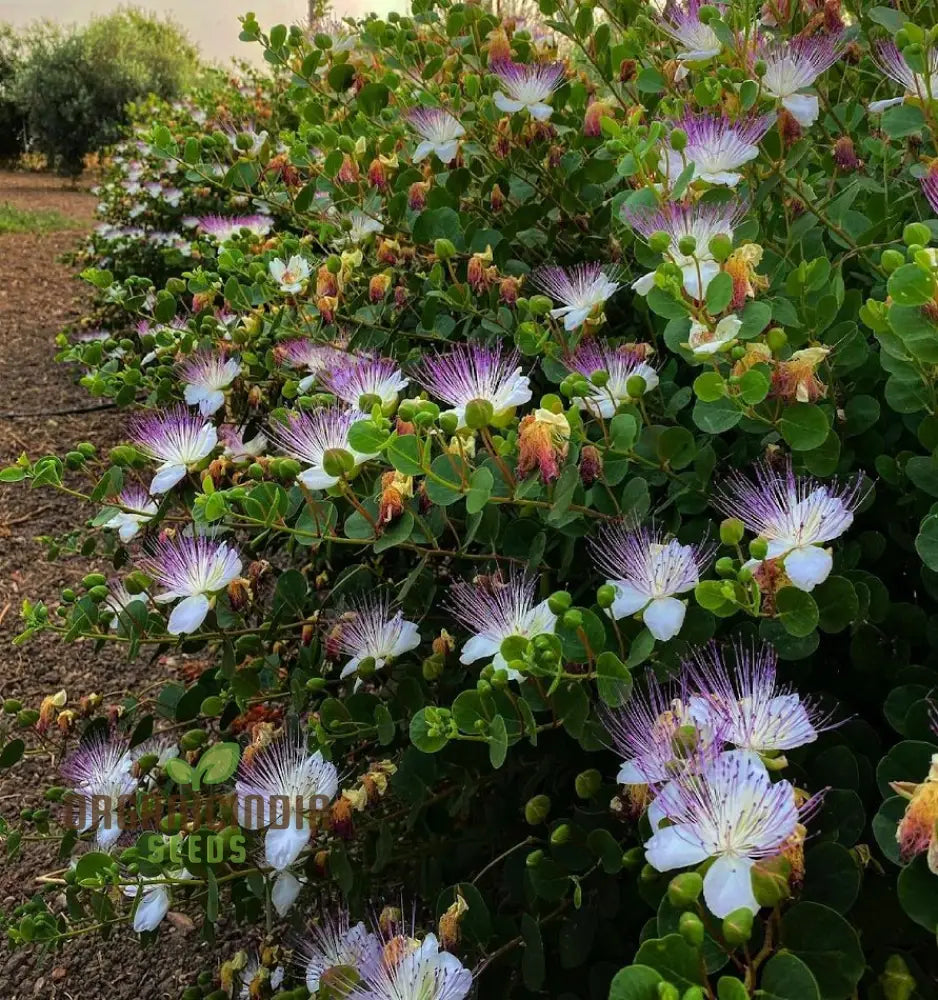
{"x": 38, "y": 295}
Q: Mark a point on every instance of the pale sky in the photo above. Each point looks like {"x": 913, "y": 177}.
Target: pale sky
{"x": 211, "y": 24}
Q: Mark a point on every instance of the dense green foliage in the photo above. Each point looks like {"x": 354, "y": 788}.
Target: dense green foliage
{"x": 800, "y": 331}
{"x": 66, "y": 91}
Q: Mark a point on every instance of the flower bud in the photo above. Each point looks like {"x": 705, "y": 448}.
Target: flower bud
{"x": 687, "y": 245}
{"x": 337, "y": 462}
{"x": 678, "y": 139}
{"x": 737, "y": 926}
{"x": 573, "y": 618}
{"x": 776, "y": 339}
{"x": 916, "y": 233}
{"x": 606, "y": 596}
{"x": 479, "y": 413}
{"x": 732, "y": 531}
{"x": 659, "y": 242}
{"x": 539, "y": 305}
{"x": 444, "y": 249}
{"x": 691, "y": 928}
{"x": 720, "y": 247}
{"x": 561, "y": 834}
{"x": 588, "y": 783}
{"x": 896, "y": 981}
{"x": 684, "y": 890}
{"x": 534, "y": 859}
{"x": 771, "y": 880}
{"x": 758, "y": 548}
{"x": 725, "y": 566}
{"x": 559, "y": 602}
{"x": 667, "y": 991}
{"x": 536, "y": 810}
{"x": 635, "y": 386}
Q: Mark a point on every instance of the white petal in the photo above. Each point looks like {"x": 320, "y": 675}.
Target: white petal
{"x": 877, "y": 106}
{"x": 576, "y": 317}
{"x": 282, "y": 847}
{"x": 506, "y": 104}
{"x": 628, "y": 600}
{"x": 212, "y": 402}
{"x": 277, "y": 269}
{"x": 477, "y": 647}
{"x": 707, "y": 271}
{"x": 728, "y": 886}
{"x": 284, "y": 892}
{"x": 128, "y": 529}
{"x": 423, "y": 150}
{"x": 541, "y": 112}
{"x": 644, "y": 284}
{"x": 808, "y": 566}
{"x": 108, "y": 832}
{"x": 350, "y": 667}
{"x": 188, "y": 615}
{"x": 675, "y": 847}
{"x": 166, "y": 477}
{"x": 253, "y": 810}
{"x": 409, "y": 639}
{"x": 804, "y": 108}
{"x": 152, "y": 908}
{"x": 317, "y": 479}
{"x": 728, "y": 177}
{"x": 664, "y": 617}
{"x": 446, "y": 151}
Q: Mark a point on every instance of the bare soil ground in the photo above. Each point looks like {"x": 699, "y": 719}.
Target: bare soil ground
{"x": 38, "y": 296}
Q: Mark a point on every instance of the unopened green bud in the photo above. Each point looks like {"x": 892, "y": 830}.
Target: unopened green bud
{"x": 760, "y": 67}
{"x": 432, "y": 667}
{"x": 444, "y": 249}
{"x": 659, "y": 242}
{"x": 136, "y": 582}
{"x": 896, "y": 980}
{"x": 770, "y": 880}
{"x": 600, "y": 379}
{"x": 539, "y": 305}
{"x": 560, "y": 834}
{"x": 573, "y": 618}
{"x": 559, "y": 602}
{"x": 606, "y": 596}
{"x": 758, "y": 548}
{"x": 635, "y": 386}
{"x": 536, "y": 810}
{"x": 98, "y": 594}
{"x": 316, "y": 684}
{"x": 707, "y": 13}
{"x": 678, "y": 139}
{"x": 725, "y": 566}
{"x": 633, "y": 858}
{"x": 684, "y": 890}
{"x": 588, "y": 783}
{"x": 776, "y": 339}
{"x": 93, "y": 580}
{"x": 534, "y": 859}
{"x": 366, "y": 667}
{"x": 691, "y": 928}
{"x": 479, "y": 413}
{"x": 649, "y": 874}
{"x": 449, "y": 423}
{"x": 732, "y": 531}
{"x": 687, "y": 245}
{"x": 890, "y": 260}
{"x": 68, "y": 595}
{"x": 337, "y": 462}
{"x": 334, "y": 264}
{"x": 914, "y": 232}
{"x": 255, "y": 471}
{"x": 720, "y": 247}
{"x": 737, "y": 926}
{"x": 667, "y": 991}
{"x": 192, "y": 739}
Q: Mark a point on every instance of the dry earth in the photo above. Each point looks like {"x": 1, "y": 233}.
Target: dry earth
{"x": 40, "y": 411}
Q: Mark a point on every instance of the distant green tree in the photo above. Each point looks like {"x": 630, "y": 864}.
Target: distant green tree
{"x": 73, "y": 87}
